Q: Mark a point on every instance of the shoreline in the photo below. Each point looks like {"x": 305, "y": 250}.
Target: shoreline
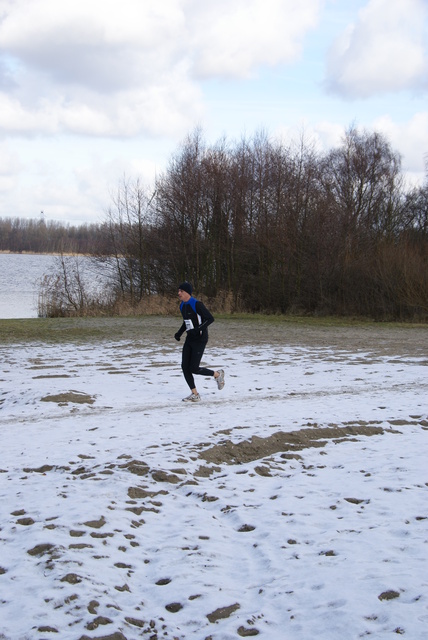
{"x": 41, "y": 253}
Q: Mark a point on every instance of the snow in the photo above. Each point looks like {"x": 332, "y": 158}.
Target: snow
{"x": 149, "y": 526}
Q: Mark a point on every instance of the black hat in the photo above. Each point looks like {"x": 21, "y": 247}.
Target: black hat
{"x": 186, "y": 286}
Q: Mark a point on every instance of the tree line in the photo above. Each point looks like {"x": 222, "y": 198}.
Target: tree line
{"x": 277, "y": 228}
{"x": 19, "y": 235}
{"x": 263, "y": 226}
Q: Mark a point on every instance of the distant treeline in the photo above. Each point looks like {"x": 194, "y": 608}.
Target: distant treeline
{"x": 37, "y": 236}
{"x": 260, "y": 226}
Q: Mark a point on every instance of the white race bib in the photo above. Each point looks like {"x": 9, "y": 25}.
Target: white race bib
{"x": 189, "y": 325}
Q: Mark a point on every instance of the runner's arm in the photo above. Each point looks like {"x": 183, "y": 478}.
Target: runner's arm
{"x": 206, "y": 316}
{"x": 180, "y": 332}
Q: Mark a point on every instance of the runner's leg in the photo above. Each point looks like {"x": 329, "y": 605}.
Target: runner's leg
{"x": 186, "y": 359}
{"x": 197, "y": 352}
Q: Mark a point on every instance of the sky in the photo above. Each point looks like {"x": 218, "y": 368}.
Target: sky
{"x": 95, "y": 90}
{"x": 121, "y": 505}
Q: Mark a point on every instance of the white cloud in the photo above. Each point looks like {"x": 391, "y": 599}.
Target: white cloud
{"x": 10, "y": 170}
{"x": 123, "y": 67}
{"x": 103, "y": 45}
{"x": 70, "y": 183}
{"x": 62, "y": 196}
{"x": 157, "y": 110}
{"x": 10, "y": 164}
{"x": 328, "y": 134}
{"x": 385, "y": 50}
{"x": 410, "y": 139}
{"x": 233, "y": 38}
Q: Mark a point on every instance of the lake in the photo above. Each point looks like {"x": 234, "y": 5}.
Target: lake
{"x": 19, "y": 277}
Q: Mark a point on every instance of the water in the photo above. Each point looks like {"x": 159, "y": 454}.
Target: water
{"x": 19, "y": 276}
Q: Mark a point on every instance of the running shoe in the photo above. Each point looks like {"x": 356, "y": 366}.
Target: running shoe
{"x": 220, "y": 379}
{"x": 194, "y": 397}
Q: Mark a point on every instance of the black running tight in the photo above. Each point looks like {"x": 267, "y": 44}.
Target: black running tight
{"x": 191, "y": 358}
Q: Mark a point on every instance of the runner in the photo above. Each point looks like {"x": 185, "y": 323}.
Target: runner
{"x": 196, "y": 319}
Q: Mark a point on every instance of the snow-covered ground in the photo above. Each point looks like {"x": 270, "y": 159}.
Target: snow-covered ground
{"x": 291, "y": 505}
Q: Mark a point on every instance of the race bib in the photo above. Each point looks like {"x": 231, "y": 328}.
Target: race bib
{"x": 189, "y": 325}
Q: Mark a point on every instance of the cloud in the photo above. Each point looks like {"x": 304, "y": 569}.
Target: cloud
{"x": 234, "y": 38}
{"x": 157, "y": 110}
{"x": 10, "y": 168}
{"x": 123, "y": 67}
{"x": 10, "y": 164}
{"x": 103, "y": 45}
{"x": 384, "y": 51}
{"x": 411, "y": 138}
{"x": 74, "y": 196}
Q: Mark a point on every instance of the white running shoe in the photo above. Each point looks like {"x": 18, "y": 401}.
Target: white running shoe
{"x": 194, "y": 397}
{"x": 220, "y": 379}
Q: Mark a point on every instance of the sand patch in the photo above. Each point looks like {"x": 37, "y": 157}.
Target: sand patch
{"x": 257, "y": 448}
{"x": 78, "y": 397}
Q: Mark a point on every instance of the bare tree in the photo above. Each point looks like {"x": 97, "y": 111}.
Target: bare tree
{"x": 128, "y": 227}
{"x": 66, "y": 291}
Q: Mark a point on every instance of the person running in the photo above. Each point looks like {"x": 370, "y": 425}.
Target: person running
{"x": 196, "y": 319}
